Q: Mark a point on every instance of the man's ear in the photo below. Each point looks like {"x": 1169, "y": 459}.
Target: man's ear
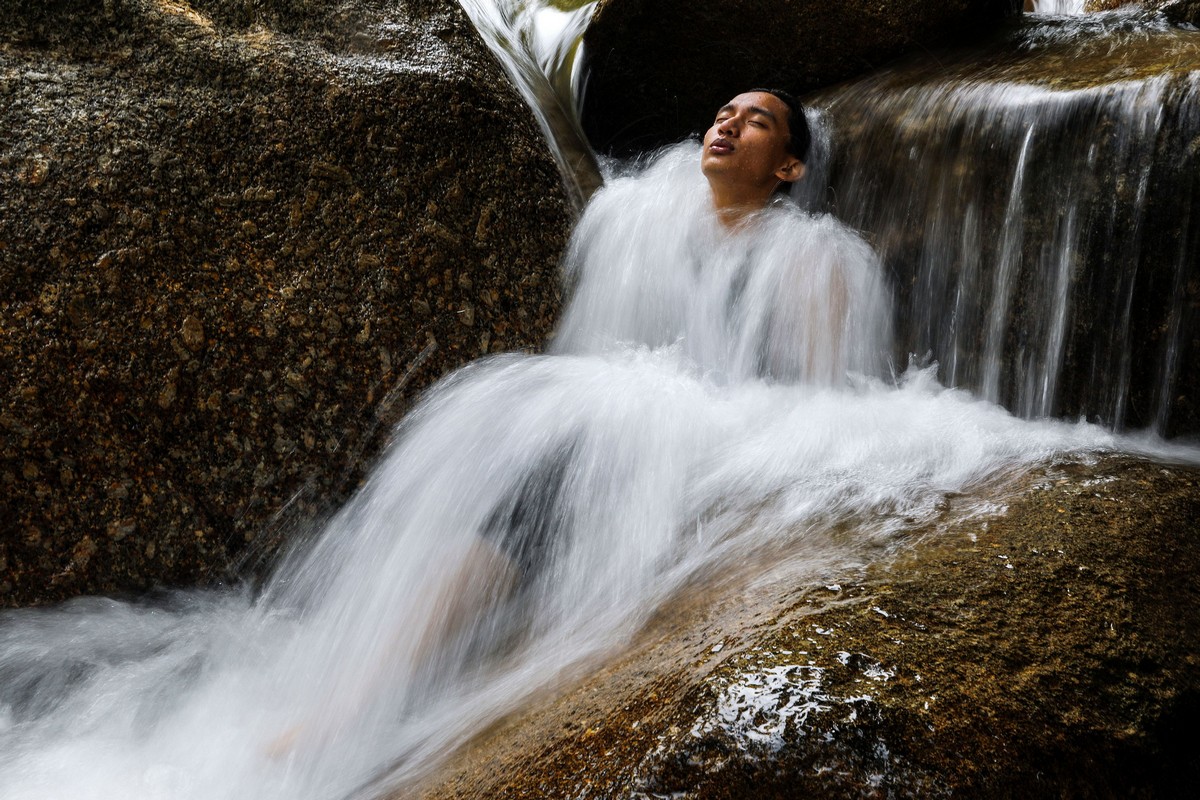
{"x": 791, "y": 171}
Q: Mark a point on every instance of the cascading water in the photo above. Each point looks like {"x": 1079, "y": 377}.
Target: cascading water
{"x": 704, "y": 400}
{"x": 537, "y": 44}
{"x": 655, "y": 463}
{"x": 1058, "y": 6}
{"x": 1035, "y": 214}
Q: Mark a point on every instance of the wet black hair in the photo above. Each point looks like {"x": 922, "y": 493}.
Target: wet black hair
{"x": 801, "y": 138}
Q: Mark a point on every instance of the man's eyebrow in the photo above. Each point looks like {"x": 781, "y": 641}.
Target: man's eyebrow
{"x": 753, "y": 110}
{"x": 764, "y": 112}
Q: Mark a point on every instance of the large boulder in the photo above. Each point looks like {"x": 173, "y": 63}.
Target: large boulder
{"x": 237, "y": 237}
{"x": 658, "y": 69}
{"x": 1049, "y": 649}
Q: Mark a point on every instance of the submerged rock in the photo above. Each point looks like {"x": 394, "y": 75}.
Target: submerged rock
{"x": 1050, "y": 648}
{"x": 659, "y": 69}
{"x": 236, "y": 238}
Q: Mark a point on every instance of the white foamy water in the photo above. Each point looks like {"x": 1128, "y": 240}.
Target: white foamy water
{"x": 1059, "y": 6}
{"x": 709, "y": 395}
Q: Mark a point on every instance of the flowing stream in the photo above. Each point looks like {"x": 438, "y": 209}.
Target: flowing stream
{"x": 704, "y": 399}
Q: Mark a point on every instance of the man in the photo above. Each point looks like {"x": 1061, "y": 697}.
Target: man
{"x": 758, "y": 140}
{"x": 691, "y": 252}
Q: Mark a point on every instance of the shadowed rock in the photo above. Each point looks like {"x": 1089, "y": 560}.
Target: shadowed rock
{"x": 1177, "y": 11}
{"x": 1046, "y": 649}
{"x": 658, "y": 69}
{"x": 236, "y": 239}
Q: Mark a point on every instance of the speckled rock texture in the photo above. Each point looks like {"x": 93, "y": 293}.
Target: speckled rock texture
{"x": 1049, "y": 649}
{"x": 237, "y": 237}
{"x": 659, "y": 69}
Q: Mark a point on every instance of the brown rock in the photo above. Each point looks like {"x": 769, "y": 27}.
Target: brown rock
{"x": 193, "y": 333}
{"x": 1052, "y": 650}
{"x": 229, "y": 206}
{"x": 1180, "y": 11}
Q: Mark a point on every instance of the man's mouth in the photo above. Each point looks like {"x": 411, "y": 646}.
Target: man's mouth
{"x": 721, "y": 146}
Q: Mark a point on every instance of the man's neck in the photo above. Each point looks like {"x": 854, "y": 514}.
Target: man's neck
{"x": 734, "y": 207}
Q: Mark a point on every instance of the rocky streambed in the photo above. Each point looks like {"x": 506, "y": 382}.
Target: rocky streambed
{"x": 1049, "y": 647}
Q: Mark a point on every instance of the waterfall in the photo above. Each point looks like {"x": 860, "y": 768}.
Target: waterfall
{"x": 537, "y": 44}
{"x": 1058, "y": 6}
{"x": 705, "y": 403}
{"x": 1037, "y": 222}
{"x": 561, "y": 497}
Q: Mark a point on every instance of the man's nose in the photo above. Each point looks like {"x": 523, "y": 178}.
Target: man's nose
{"x": 728, "y": 127}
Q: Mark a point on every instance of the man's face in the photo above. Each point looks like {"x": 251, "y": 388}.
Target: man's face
{"x": 748, "y": 142}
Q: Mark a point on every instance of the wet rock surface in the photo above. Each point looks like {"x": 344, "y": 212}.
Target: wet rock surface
{"x": 1049, "y": 649}
{"x": 236, "y": 240}
{"x": 659, "y": 69}
{"x": 1177, "y": 11}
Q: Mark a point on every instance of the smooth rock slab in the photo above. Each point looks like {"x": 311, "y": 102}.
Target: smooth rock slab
{"x": 236, "y": 239}
{"x": 1051, "y": 650}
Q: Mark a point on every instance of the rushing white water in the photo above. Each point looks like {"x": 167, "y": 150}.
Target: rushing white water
{"x": 537, "y": 45}
{"x": 708, "y": 395}
{"x": 672, "y": 432}
{"x": 796, "y": 298}
{"x": 1059, "y": 6}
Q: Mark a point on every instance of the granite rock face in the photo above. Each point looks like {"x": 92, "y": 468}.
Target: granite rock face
{"x": 1050, "y": 649}
{"x": 659, "y": 69}
{"x": 237, "y": 238}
